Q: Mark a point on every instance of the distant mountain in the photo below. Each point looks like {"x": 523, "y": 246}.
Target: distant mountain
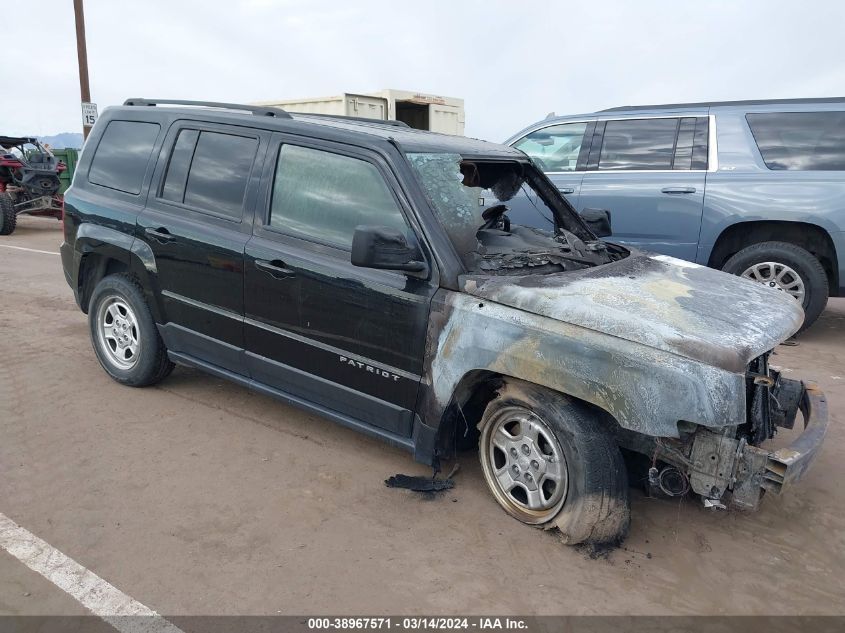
{"x": 63, "y": 140}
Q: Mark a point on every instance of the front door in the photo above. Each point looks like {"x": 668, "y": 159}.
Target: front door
{"x": 560, "y": 152}
{"x": 197, "y": 223}
{"x": 348, "y": 339}
{"x": 650, "y": 174}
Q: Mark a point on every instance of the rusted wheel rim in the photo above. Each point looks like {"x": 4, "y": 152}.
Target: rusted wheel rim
{"x": 524, "y": 464}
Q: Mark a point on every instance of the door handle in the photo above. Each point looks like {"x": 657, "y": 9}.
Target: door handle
{"x": 160, "y": 234}
{"x": 275, "y": 268}
{"x": 567, "y": 190}
{"x": 678, "y": 190}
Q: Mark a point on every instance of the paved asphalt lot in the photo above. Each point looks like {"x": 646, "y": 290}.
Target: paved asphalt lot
{"x": 200, "y": 497}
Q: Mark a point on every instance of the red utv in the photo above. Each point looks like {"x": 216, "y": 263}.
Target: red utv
{"x": 29, "y": 181}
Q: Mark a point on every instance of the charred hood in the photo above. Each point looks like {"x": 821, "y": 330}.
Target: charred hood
{"x": 669, "y": 304}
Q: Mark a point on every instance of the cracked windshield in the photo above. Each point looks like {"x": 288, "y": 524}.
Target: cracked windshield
{"x": 475, "y": 201}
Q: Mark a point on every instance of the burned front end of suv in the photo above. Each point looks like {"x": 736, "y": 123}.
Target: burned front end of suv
{"x": 673, "y": 356}
{"x": 732, "y": 460}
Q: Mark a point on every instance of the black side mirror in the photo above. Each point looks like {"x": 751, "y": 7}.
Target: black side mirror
{"x": 385, "y": 248}
{"x": 598, "y": 220}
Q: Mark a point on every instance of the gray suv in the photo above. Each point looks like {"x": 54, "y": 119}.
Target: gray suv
{"x": 755, "y": 188}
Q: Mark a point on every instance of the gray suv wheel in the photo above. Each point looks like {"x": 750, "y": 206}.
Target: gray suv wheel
{"x": 785, "y": 267}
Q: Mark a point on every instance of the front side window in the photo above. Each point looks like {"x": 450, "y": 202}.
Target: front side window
{"x": 323, "y": 196}
{"x": 806, "y": 141}
{"x": 638, "y": 144}
{"x": 554, "y": 148}
{"x": 122, "y": 155}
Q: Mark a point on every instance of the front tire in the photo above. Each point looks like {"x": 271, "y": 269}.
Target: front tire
{"x": 8, "y": 217}
{"x": 550, "y": 462}
{"x": 786, "y": 267}
{"x": 124, "y": 334}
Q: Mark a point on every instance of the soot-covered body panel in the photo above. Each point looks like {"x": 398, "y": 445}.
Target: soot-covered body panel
{"x": 651, "y": 340}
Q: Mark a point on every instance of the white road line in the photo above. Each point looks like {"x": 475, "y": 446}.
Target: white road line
{"x": 91, "y": 591}
{"x": 31, "y": 250}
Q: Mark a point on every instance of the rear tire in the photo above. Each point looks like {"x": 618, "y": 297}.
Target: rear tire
{"x": 529, "y": 432}
{"x": 8, "y": 217}
{"x": 800, "y": 268}
{"x": 124, "y": 334}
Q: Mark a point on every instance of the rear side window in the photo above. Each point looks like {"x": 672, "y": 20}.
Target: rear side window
{"x": 324, "y": 196}
{"x": 122, "y": 155}
{"x": 638, "y": 144}
{"x": 691, "y": 146}
{"x": 554, "y": 148}
{"x": 180, "y": 163}
{"x": 806, "y": 141}
{"x": 209, "y": 171}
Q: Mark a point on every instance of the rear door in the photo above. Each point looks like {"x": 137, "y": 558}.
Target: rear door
{"x": 196, "y": 222}
{"x": 561, "y": 152}
{"x": 650, "y": 174}
{"x": 349, "y": 339}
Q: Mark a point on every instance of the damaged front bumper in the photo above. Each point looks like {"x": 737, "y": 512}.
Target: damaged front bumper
{"x": 787, "y": 465}
{"x": 755, "y": 470}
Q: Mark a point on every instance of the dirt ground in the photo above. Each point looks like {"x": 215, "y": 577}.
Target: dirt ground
{"x": 200, "y": 497}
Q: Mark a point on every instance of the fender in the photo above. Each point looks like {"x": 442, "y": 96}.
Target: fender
{"x": 135, "y": 254}
{"x": 650, "y": 339}
{"x": 647, "y": 390}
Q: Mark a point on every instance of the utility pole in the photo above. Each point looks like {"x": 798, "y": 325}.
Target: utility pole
{"x": 82, "y": 55}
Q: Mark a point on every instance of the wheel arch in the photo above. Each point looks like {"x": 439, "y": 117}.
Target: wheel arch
{"x": 811, "y": 237}
{"x": 102, "y": 251}
{"x": 458, "y": 428}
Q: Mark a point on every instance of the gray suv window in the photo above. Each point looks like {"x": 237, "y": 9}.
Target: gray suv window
{"x": 809, "y": 141}
{"x": 120, "y": 161}
{"x": 554, "y": 148}
{"x": 323, "y": 196}
{"x": 638, "y": 144}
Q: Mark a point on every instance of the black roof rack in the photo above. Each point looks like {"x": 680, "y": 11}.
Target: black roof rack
{"x": 6, "y": 141}
{"x": 750, "y": 102}
{"x": 359, "y": 119}
{"x": 259, "y": 110}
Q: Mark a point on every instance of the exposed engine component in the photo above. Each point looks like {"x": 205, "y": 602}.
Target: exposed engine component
{"x": 673, "y": 482}
{"x": 667, "y": 481}
{"x": 771, "y": 402}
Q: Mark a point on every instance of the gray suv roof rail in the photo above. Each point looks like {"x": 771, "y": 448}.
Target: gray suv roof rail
{"x": 259, "y": 110}
{"x": 358, "y": 119}
{"x": 750, "y": 102}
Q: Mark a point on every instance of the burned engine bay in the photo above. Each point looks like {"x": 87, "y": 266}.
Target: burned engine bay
{"x": 472, "y": 199}
{"x": 510, "y": 249}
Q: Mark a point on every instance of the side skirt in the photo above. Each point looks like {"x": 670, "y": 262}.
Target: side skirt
{"x": 398, "y": 441}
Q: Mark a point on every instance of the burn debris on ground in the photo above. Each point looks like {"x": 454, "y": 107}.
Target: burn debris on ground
{"x": 419, "y": 484}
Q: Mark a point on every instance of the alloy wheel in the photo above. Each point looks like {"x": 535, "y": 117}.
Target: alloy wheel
{"x": 118, "y": 333}
{"x": 777, "y": 275}
{"x": 524, "y": 464}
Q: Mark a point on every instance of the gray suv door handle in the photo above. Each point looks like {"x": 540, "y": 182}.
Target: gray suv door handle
{"x": 275, "y": 268}
{"x": 160, "y": 234}
{"x": 678, "y": 190}
{"x": 568, "y": 190}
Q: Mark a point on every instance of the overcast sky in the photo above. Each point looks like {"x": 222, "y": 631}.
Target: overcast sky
{"x": 512, "y": 61}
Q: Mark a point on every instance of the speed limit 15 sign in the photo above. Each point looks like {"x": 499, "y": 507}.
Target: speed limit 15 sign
{"x": 89, "y": 114}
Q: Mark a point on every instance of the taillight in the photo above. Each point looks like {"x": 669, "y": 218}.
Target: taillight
{"x": 64, "y": 220}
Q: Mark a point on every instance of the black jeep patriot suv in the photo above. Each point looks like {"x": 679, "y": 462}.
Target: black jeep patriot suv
{"x": 370, "y": 272}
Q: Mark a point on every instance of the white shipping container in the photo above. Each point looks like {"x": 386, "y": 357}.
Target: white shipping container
{"x": 420, "y": 111}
